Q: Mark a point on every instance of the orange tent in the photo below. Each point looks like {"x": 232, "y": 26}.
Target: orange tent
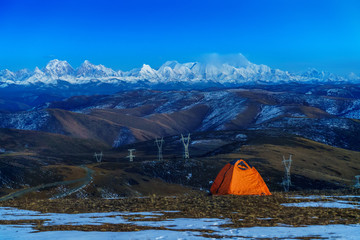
{"x": 239, "y": 178}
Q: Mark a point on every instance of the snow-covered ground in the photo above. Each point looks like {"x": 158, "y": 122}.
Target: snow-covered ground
{"x": 331, "y": 202}
{"x": 346, "y": 232}
{"x": 190, "y": 227}
{"x": 338, "y": 204}
{"x": 324, "y": 197}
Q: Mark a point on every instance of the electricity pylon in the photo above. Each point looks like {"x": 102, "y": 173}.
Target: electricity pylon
{"x": 98, "y": 156}
{"x": 357, "y": 184}
{"x": 287, "y": 180}
{"x": 186, "y": 141}
{"x": 131, "y": 156}
{"x": 159, "y": 144}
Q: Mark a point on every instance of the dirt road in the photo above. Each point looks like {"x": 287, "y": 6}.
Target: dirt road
{"x": 86, "y": 180}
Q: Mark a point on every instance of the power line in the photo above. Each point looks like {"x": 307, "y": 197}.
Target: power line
{"x": 357, "y": 184}
{"x": 131, "y": 156}
{"x": 186, "y": 141}
{"x": 159, "y": 144}
{"x": 287, "y": 180}
{"x": 98, "y": 156}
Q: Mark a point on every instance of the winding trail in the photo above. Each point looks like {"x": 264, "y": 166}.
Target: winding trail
{"x": 87, "y": 179}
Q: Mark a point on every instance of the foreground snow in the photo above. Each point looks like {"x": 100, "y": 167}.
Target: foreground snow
{"x": 177, "y": 228}
{"x": 338, "y": 204}
{"x": 331, "y": 201}
{"x": 349, "y": 232}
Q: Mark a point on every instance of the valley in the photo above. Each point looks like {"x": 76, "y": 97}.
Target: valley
{"x": 316, "y": 124}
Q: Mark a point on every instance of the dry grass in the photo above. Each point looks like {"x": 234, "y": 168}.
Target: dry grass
{"x": 105, "y": 124}
{"x": 66, "y": 171}
{"x": 126, "y": 181}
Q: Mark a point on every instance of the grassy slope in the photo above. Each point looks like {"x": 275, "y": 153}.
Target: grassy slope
{"x": 47, "y": 143}
{"x": 315, "y": 165}
{"x": 105, "y": 124}
{"x": 33, "y": 158}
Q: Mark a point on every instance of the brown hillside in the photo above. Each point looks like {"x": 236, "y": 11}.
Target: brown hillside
{"x": 85, "y": 126}
{"x": 313, "y": 112}
{"x": 183, "y": 121}
{"x": 245, "y": 118}
{"x": 37, "y": 142}
{"x": 106, "y": 124}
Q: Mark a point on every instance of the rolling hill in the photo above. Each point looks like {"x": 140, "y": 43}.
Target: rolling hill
{"x": 315, "y": 166}
{"x": 55, "y": 142}
{"x": 325, "y": 114}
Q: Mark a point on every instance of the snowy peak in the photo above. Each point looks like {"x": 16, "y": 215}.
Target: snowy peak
{"x": 228, "y": 71}
{"x": 87, "y": 69}
{"x": 7, "y": 74}
{"x": 314, "y": 74}
{"x": 352, "y": 76}
{"x": 56, "y": 69}
{"x": 23, "y": 74}
{"x": 87, "y": 63}
{"x": 38, "y": 71}
{"x": 146, "y": 69}
{"x": 6, "y": 77}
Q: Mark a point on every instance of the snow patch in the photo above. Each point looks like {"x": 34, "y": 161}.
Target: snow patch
{"x": 188, "y": 177}
{"x": 125, "y": 136}
{"x": 34, "y": 120}
{"x": 207, "y": 141}
{"x": 269, "y": 112}
{"x": 241, "y": 137}
{"x": 189, "y": 225}
{"x": 338, "y": 204}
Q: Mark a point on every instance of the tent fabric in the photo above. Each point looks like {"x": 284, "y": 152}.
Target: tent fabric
{"x": 239, "y": 178}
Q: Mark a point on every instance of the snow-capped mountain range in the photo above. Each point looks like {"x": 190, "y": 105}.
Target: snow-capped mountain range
{"x": 221, "y": 73}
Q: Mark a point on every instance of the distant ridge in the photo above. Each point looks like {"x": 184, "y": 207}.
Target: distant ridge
{"x": 212, "y": 73}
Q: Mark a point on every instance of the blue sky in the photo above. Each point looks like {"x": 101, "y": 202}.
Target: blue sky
{"x": 291, "y": 35}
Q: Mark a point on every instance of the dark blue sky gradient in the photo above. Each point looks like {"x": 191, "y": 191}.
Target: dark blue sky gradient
{"x": 291, "y": 35}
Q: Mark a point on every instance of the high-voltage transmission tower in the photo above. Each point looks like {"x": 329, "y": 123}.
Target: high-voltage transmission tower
{"x": 159, "y": 144}
{"x": 287, "y": 180}
{"x": 131, "y": 156}
{"x": 357, "y": 184}
{"x": 186, "y": 141}
{"x": 98, "y": 156}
